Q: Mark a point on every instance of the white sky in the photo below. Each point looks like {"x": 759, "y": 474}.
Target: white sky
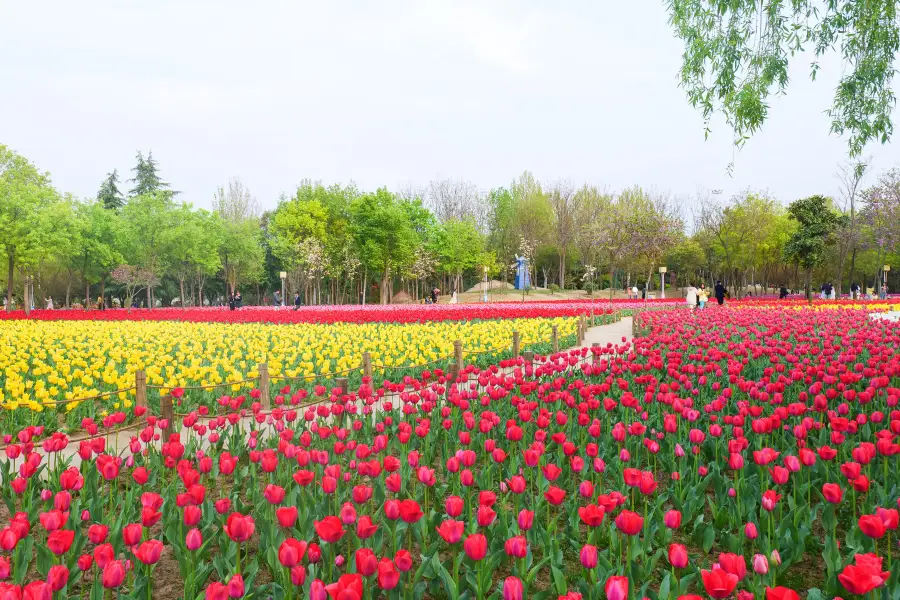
{"x": 386, "y": 93}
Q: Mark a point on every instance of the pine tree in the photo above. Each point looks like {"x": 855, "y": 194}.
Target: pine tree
{"x": 109, "y": 193}
{"x": 146, "y": 178}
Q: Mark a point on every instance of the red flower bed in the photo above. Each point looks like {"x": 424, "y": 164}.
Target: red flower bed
{"x": 746, "y": 452}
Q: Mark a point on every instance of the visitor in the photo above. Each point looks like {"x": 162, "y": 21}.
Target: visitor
{"x": 854, "y": 291}
{"x": 453, "y": 299}
{"x": 297, "y": 301}
{"x": 277, "y": 298}
{"x": 783, "y": 293}
{"x": 49, "y": 301}
{"x": 99, "y": 304}
{"x": 634, "y": 292}
{"x": 238, "y": 299}
{"x": 231, "y": 301}
{"x": 428, "y": 300}
{"x": 691, "y": 296}
{"x": 702, "y": 296}
{"x": 828, "y": 290}
{"x": 434, "y": 295}
{"x": 882, "y": 295}
{"x": 643, "y": 293}
{"x": 719, "y": 293}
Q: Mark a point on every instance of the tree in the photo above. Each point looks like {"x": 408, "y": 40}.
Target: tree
{"x": 383, "y": 234}
{"x": 816, "y": 225}
{"x": 150, "y": 236}
{"x": 146, "y": 177}
{"x": 850, "y": 176}
{"x": 502, "y": 238}
{"x": 881, "y": 215}
{"x": 241, "y": 243}
{"x": 97, "y": 250}
{"x": 458, "y": 247}
{"x": 737, "y": 53}
{"x": 109, "y": 194}
{"x": 564, "y": 203}
{"x": 456, "y": 199}
{"x": 196, "y": 240}
{"x": 26, "y": 199}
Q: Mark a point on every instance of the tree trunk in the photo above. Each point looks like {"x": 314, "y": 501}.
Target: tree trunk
{"x": 562, "y": 270}
{"x": 611, "y": 271}
{"x": 69, "y": 291}
{"x": 103, "y": 292}
{"x": 181, "y": 285}
{"x": 853, "y": 267}
{"x": 385, "y": 282}
{"x": 11, "y": 250}
{"x": 808, "y": 285}
{"x": 365, "y": 284}
{"x": 25, "y": 297}
{"x": 149, "y": 300}
{"x": 87, "y": 295}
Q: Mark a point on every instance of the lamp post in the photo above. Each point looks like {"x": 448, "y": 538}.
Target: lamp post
{"x": 662, "y": 282}
{"x": 283, "y": 277}
{"x": 484, "y": 288}
{"x": 885, "y": 270}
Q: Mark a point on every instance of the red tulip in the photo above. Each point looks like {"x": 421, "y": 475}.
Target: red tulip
{"x": 290, "y": 553}
{"x": 451, "y": 531}
{"x": 616, "y": 588}
{"x": 132, "y": 533}
{"x": 58, "y": 577}
{"x": 475, "y": 546}
{"x": 403, "y": 560}
{"x": 286, "y": 516}
{"x": 410, "y": 511}
{"x": 236, "y": 586}
{"x": 103, "y": 555}
{"x": 781, "y": 593}
{"x": 516, "y": 547}
{"x": 735, "y": 564}
{"x": 348, "y": 587}
{"x": 454, "y": 506}
{"x": 365, "y": 528}
{"x": 832, "y": 493}
{"x": 513, "y": 588}
{"x": 60, "y": 541}
{"x": 113, "y": 574}
{"x": 588, "y": 556}
{"x": 37, "y": 590}
{"x": 672, "y": 519}
{"x": 629, "y": 523}
{"x": 149, "y": 552}
{"x": 678, "y": 556}
{"x": 863, "y": 576}
{"x": 592, "y": 515}
{"x": 872, "y": 526}
{"x": 193, "y": 540}
{"x": 239, "y": 527}
{"x": 718, "y": 583}
{"x": 388, "y": 575}
{"x": 274, "y": 494}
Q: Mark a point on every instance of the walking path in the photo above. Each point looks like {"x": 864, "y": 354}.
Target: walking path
{"x": 608, "y": 334}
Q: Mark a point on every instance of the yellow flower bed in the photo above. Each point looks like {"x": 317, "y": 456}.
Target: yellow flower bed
{"x": 46, "y": 362}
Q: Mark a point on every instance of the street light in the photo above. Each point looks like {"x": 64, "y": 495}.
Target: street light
{"x": 662, "y": 282}
{"x": 283, "y": 277}
{"x": 484, "y": 289}
{"x": 885, "y": 270}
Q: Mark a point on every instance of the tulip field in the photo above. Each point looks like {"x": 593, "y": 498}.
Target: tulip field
{"x": 746, "y": 451}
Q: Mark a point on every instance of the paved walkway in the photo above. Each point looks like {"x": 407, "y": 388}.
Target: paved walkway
{"x": 608, "y": 334}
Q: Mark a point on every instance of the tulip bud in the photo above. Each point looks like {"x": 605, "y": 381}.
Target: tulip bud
{"x": 775, "y": 557}
{"x": 750, "y": 531}
{"x": 588, "y": 556}
{"x": 760, "y": 564}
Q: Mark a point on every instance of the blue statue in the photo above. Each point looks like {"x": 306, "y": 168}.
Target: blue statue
{"x": 523, "y": 277}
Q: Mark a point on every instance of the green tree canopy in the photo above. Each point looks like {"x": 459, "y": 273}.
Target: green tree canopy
{"x": 738, "y": 53}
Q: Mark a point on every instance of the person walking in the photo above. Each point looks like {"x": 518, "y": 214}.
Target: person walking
{"x": 854, "y": 291}
{"x": 231, "y": 301}
{"x": 297, "y": 301}
{"x": 702, "y": 296}
{"x": 276, "y": 297}
{"x": 49, "y": 300}
{"x": 434, "y": 295}
{"x": 238, "y": 300}
{"x": 783, "y": 293}
{"x": 691, "y": 296}
{"x": 719, "y": 293}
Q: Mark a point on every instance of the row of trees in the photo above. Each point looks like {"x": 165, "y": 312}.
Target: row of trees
{"x": 340, "y": 244}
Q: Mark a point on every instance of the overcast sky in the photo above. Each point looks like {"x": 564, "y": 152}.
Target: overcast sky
{"x": 386, "y": 93}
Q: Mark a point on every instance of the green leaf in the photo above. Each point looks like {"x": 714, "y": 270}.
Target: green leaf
{"x": 664, "y": 588}
{"x": 559, "y": 580}
{"x": 449, "y": 584}
{"x": 709, "y": 536}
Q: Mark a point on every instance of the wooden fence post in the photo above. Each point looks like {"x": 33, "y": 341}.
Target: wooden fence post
{"x": 458, "y": 356}
{"x": 528, "y": 355}
{"x": 341, "y": 383}
{"x": 140, "y": 388}
{"x": 367, "y": 365}
{"x": 592, "y": 318}
{"x": 555, "y": 339}
{"x": 263, "y": 370}
{"x": 516, "y": 340}
{"x": 167, "y": 412}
